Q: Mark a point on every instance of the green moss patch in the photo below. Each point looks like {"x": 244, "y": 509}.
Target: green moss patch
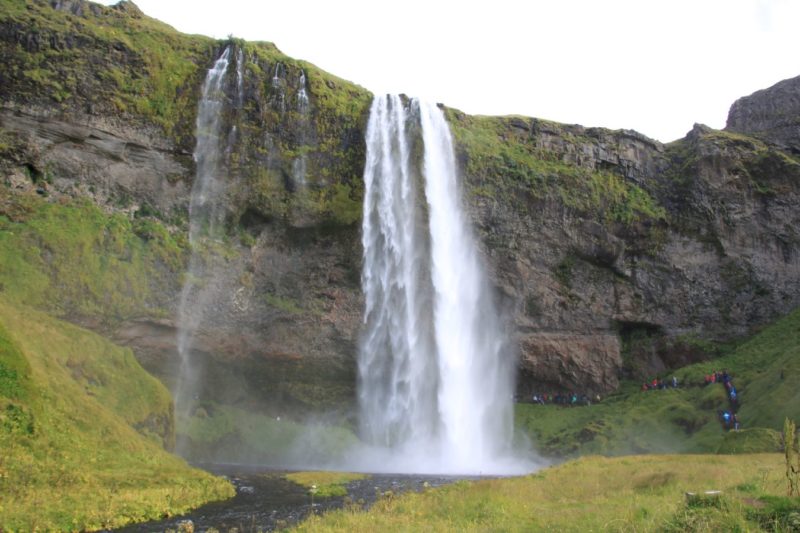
{"x": 754, "y": 440}
{"x": 504, "y": 162}
{"x": 73, "y": 259}
{"x": 107, "y": 58}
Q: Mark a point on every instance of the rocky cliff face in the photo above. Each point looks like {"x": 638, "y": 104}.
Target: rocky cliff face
{"x": 596, "y": 293}
{"x": 612, "y": 254}
{"x": 772, "y": 115}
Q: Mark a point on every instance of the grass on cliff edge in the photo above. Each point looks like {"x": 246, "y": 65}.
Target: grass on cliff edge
{"x": 121, "y": 60}
{"x": 765, "y": 370}
{"x": 71, "y": 458}
{"x": 637, "y": 493}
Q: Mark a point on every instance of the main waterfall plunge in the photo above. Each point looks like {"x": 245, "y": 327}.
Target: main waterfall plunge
{"x": 435, "y": 376}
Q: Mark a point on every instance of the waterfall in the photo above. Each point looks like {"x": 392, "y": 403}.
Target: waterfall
{"x": 239, "y": 78}
{"x": 435, "y": 376}
{"x": 302, "y": 95}
{"x": 397, "y": 368}
{"x": 300, "y": 164}
{"x": 278, "y": 86}
{"x": 276, "y": 79}
{"x": 475, "y": 395}
{"x": 206, "y": 212}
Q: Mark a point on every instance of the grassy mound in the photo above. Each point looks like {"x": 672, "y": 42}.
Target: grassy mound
{"x": 70, "y": 407}
{"x": 324, "y": 484}
{"x": 765, "y": 371}
{"x": 638, "y": 493}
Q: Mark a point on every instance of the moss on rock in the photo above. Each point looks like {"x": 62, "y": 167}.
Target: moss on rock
{"x": 70, "y": 258}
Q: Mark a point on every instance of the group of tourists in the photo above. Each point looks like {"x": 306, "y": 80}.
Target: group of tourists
{"x": 572, "y": 399}
{"x": 660, "y": 384}
{"x": 728, "y": 418}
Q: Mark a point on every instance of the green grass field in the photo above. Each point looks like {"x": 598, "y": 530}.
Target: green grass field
{"x": 635, "y": 493}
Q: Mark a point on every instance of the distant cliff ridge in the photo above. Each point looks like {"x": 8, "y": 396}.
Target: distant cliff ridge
{"x": 772, "y": 115}
{"x": 611, "y": 254}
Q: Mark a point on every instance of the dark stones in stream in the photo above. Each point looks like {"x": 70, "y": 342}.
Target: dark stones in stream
{"x": 266, "y": 501}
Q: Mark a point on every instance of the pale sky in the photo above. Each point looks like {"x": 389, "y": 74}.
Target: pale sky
{"x": 653, "y": 66}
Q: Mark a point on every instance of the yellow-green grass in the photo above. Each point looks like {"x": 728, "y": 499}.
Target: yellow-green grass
{"x": 325, "y": 484}
{"x": 765, "y": 370}
{"x": 71, "y": 458}
{"x": 635, "y": 493}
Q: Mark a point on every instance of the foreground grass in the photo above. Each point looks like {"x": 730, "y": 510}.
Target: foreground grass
{"x": 636, "y": 493}
{"x": 765, "y": 370}
{"x": 71, "y": 458}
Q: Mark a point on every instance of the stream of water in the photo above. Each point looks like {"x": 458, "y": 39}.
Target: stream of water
{"x": 266, "y": 501}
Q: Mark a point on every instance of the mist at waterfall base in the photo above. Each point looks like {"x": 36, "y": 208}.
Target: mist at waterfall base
{"x": 435, "y": 372}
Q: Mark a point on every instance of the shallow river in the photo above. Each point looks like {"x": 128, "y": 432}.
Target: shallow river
{"x": 265, "y": 501}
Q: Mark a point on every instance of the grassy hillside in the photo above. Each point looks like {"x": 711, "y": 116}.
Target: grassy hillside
{"x": 640, "y": 493}
{"x": 70, "y": 407}
{"x": 765, "y": 370}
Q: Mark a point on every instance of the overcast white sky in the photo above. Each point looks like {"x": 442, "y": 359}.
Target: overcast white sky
{"x": 653, "y": 66}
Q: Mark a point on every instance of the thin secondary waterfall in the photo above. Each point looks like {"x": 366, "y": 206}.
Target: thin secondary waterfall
{"x": 435, "y": 379}
{"x": 206, "y": 212}
{"x": 300, "y": 164}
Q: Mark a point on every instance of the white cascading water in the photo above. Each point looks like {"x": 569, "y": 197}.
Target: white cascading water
{"x": 239, "y": 78}
{"x": 300, "y": 164}
{"x": 206, "y": 211}
{"x": 302, "y": 95}
{"x": 397, "y": 361}
{"x": 435, "y": 377}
